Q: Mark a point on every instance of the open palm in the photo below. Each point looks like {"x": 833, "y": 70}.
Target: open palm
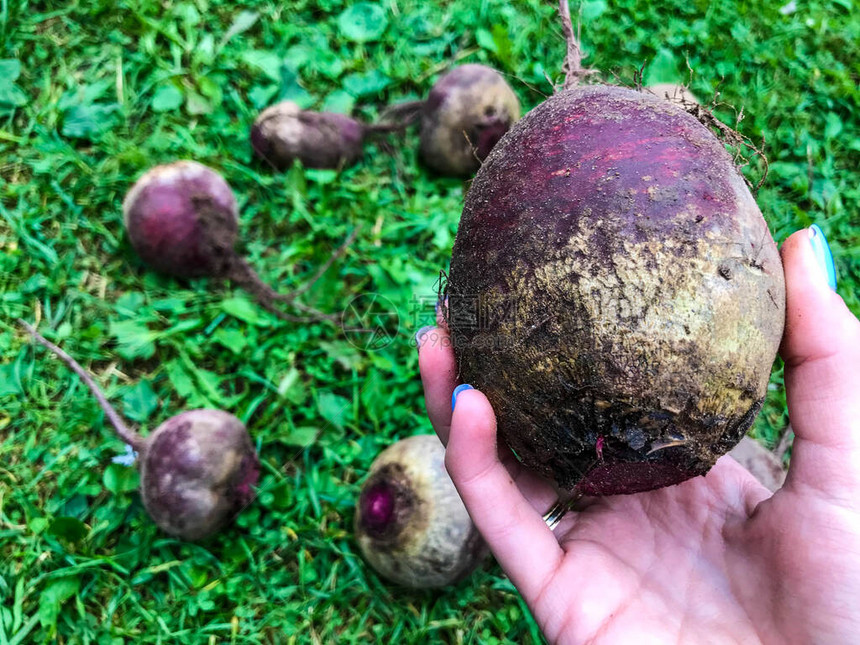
{"x": 716, "y": 559}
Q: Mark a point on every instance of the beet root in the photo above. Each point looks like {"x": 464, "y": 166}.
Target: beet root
{"x": 615, "y": 292}
{"x": 197, "y": 472}
{"x": 410, "y": 523}
{"x": 284, "y": 132}
{"x": 182, "y": 219}
{"x": 468, "y": 110}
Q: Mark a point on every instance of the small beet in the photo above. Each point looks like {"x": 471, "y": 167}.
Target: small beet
{"x": 284, "y": 132}
{"x": 468, "y": 110}
{"x": 198, "y": 469}
{"x": 182, "y": 219}
{"x": 614, "y": 291}
{"x": 410, "y": 523}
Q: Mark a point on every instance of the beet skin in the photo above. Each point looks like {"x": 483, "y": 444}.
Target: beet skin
{"x": 284, "y": 132}
{"x": 197, "y": 472}
{"x": 182, "y": 219}
{"x": 615, "y": 292}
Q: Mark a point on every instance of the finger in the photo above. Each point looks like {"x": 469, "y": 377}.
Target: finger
{"x": 442, "y": 314}
{"x": 439, "y": 376}
{"x": 518, "y": 537}
{"x": 821, "y": 349}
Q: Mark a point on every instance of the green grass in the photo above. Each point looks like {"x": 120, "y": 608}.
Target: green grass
{"x": 93, "y": 93}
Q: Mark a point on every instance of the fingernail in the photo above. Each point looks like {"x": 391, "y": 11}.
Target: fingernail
{"x": 421, "y": 333}
{"x": 457, "y": 390}
{"x": 823, "y": 255}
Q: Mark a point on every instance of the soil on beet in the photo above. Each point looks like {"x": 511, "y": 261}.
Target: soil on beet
{"x": 614, "y": 284}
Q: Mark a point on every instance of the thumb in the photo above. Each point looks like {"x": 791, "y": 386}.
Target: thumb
{"x": 821, "y": 350}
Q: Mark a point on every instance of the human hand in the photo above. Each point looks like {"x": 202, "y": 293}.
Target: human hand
{"x": 715, "y": 559}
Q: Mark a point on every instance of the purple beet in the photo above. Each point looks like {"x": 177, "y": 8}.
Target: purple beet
{"x": 284, "y": 133}
{"x": 410, "y": 523}
{"x": 182, "y": 219}
{"x": 468, "y": 110}
{"x": 615, "y": 292}
{"x": 198, "y": 469}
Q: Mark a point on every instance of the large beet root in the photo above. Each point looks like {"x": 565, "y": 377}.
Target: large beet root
{"x": 467, "y": 112}
{"x": 284, "y": 132}
{"x": 615, "y": 292}
{"x": 197, "y": 470}
{"x": 410, "y": 523}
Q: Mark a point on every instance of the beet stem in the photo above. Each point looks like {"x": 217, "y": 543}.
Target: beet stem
{"x": 385, "y": 128}
{"x": 244, "y": 274}
{"x": 574, "y": 72}
{"x": 784, "y": 443}
{"x": 401, "y": 115}
{"x": 125, "y": 433}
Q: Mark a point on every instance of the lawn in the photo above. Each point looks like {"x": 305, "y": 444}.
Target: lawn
{"x": 94, "y": 93}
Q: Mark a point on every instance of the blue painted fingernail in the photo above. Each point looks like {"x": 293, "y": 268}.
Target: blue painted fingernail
{"x": 457, "y": 390}
{"x": 421, "y": 333}
{"x": 822, "y": 253}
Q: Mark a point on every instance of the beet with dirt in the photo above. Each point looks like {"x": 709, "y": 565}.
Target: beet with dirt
{"x": 198, "y": 469}
{"x": 410, "y": 523}
{"x": 182, "y": 219}
{"x": 466, "y": 113}
{"x": 284, "y": 133}
{"x": 615, "y": 292}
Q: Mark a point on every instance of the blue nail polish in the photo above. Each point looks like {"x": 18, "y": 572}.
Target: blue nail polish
{"x": 457, "y": 390}
{"x": 823, "y": 255}
{"x": 419, "y": 335}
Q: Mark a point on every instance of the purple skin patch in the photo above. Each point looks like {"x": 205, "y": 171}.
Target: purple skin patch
{"x": 377, "y": 508}
{"x": 250, "y": 475}
{"x": 489, "y": 136}
{"x": 622, "y": 478}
